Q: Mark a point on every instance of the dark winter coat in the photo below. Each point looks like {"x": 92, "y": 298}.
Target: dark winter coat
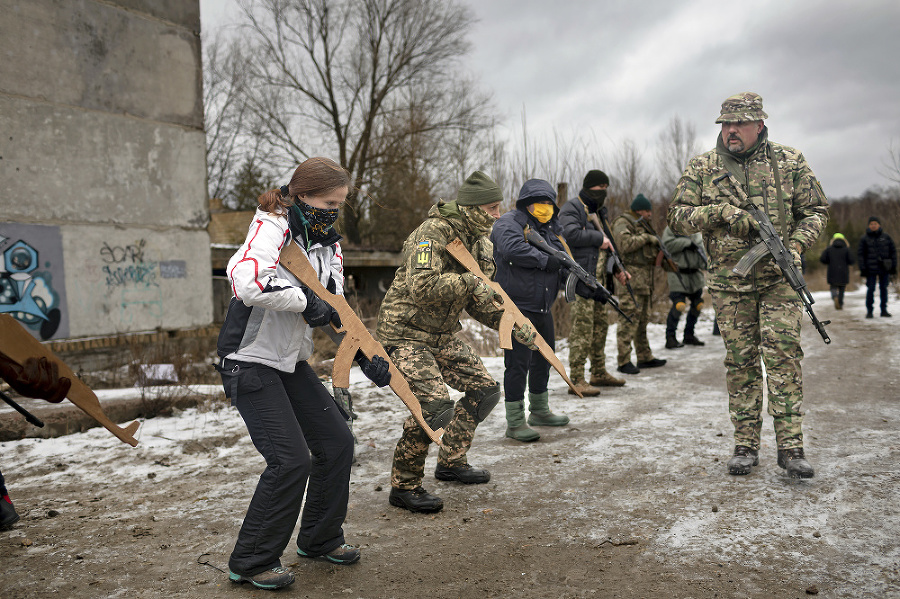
{"x": 581, "y": 236}
{"x": 521, "y": 267}
{"x": 877, "y": 254}
{"x": 839, "y": 258}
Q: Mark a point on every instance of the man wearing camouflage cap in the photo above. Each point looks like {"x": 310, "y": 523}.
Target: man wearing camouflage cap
{"x": 759, "y": 315}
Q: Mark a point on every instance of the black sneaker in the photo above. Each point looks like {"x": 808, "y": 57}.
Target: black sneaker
{"x": 628, "y": 368}
{"x": 795, "y": 463}
{"x": 8, "y": 514}
{"x": 744, "y": 458}
{"x": 885, "y": 314}
{"x": 869, "y": 315}
{"x": 343, "y": 555}
{"x": 691, "y": 340}
{"x": 416, "y": 500}
{"x": 269, "y": 580}
{"x": 465, "y": 474}
{"x": 654, "y": 363}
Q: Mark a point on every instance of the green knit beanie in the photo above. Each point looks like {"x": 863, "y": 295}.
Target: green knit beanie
{"x": 477, "y": 190}
{"x": 641, "y": 203}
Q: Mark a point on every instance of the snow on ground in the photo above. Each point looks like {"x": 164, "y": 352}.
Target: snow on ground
{"x": 670, "y": 423}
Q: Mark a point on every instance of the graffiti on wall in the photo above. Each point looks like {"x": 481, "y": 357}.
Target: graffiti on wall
{"x": 134, "y": 277}
{"x": 32, "y": 281}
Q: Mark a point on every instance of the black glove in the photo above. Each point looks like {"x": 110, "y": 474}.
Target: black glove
{"x": 600, "y": 295}
{"x": 553, "y": 264}
{"x": 377, "y": 370}
{"x": 583, "y": 290}
{"x": 318, "y": 312}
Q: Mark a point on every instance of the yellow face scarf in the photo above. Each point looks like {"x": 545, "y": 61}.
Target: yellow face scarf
{"x": 542, "y": 212}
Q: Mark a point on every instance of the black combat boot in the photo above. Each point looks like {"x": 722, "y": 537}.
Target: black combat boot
{"x": 416, "y": 500}
{"x": 465, "y": 474}
{"x": 628, "y": 368}
{"x": 691, "y": 340}
{"x": 744, "y": 458}
{"x": 795, "y": 463}
{"x": 652, "y": 363}
{"x": 672, "y": 342}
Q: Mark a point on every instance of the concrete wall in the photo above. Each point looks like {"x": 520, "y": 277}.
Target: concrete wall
{"x": 102, "y": 152}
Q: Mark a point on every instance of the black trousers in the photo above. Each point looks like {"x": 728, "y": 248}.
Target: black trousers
{"x": 290, "y": 416}
{"x": 526, "y": 366}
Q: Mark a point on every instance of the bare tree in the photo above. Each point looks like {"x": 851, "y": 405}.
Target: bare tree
{"x": 336, "y": 76}
{"x": 230, "y": 139}
{"x": 891, "y": 166}
{"x": 677, "y": 145}
{"x": 629, "y": 178}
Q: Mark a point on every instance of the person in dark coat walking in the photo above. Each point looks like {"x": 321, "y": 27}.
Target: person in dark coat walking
{"x": 839, "y": 258}
{"x": 532, "y": 279}
{"x": 877, "y": 258}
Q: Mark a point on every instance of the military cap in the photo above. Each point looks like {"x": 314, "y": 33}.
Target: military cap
{"x": 477, "y": 190}
{"x": 742, "y": 107}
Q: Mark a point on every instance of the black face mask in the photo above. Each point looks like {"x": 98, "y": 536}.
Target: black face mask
{"x": 598, "y": 195}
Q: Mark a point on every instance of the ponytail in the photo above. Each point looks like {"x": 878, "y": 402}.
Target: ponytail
{"x": 272, "y": 201}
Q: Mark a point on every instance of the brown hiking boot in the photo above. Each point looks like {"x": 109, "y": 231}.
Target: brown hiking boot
{"x": 585, "y": 389}
{"x": 606, "y": 380}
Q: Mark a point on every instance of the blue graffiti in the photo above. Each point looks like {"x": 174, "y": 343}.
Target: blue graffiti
{"x": 26, "y": 294}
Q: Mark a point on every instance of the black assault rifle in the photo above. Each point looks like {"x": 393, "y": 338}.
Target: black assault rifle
{"x": 673, "y": 266}
{"x": 576, "y": 272}
{"x": 771, "y": 244}
{"x": 600, "y": 222}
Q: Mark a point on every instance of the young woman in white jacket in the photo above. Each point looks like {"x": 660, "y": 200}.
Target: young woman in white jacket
{"x": 263, "y": 349}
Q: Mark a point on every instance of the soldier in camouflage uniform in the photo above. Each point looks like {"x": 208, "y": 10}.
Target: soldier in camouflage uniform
{"x": 590, "y": 321}
{"x": 759, "y": 316}
{"x": 417, "y": 324}
{"x": 639, "y": 245}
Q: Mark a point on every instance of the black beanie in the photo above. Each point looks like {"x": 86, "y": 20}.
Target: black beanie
{"x": 874, "y": 219}
{"x": 594, "y": 178}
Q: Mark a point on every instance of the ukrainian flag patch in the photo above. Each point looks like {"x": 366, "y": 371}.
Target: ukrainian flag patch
{"x": 423, "y": 254}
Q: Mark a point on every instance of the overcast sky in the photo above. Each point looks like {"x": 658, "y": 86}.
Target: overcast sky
{"x": 828, "y": 72}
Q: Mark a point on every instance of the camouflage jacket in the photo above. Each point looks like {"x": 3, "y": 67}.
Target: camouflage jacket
{"x": 697, "y": 197}
{"x": 637, "y": 243}
{"x": 429, "y": 293}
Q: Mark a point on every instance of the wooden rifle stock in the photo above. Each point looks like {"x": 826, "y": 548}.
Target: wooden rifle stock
{"x": 19, "y": 344}
{"x": 511, "y": 314}
{"x": 356, "y": 337}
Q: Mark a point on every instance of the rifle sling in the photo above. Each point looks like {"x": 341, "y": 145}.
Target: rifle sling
{"x": 782, "y": 216}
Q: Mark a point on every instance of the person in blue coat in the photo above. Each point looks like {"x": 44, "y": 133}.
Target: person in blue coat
{"x": 532, "y": 279}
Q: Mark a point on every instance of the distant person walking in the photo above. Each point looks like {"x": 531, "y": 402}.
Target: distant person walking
{"x": 839, "y": 259}
{"x": 877, "y": 257}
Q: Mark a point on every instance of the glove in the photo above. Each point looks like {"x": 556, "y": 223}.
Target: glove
{"x": 600, "y": 295}
{"x": 583, "y": 290}
{"x": 481, "y": 291}
{"x": 525, "y": 334}
{"x": 738, "y": 221}
{"x": 38, "y": 377}
{"x": 377, "y": 370}
{"x": 553, "y": 264}
{"x": 318, "y": 312}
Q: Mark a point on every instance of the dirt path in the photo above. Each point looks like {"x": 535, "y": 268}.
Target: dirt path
{"x": 630, "y": 500}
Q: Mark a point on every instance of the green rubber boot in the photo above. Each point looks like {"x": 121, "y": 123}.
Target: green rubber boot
{"x": 515, "y": 423}
{"x": 539, "y": 406}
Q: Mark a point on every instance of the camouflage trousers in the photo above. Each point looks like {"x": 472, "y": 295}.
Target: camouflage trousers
{"x": 762, "y": 329}
{"x": 587, "y": 339}
{"x": 429, "y": 370}
{"x": 636, "y": 330}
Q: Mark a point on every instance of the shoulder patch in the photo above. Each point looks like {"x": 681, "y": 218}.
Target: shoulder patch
{"x": 423, "y": 254}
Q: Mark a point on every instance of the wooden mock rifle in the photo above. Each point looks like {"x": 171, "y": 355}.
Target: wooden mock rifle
{"x": 19, "y": 345}
{"x": 512, "y": 317}
{"x": 356, "y": 338}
